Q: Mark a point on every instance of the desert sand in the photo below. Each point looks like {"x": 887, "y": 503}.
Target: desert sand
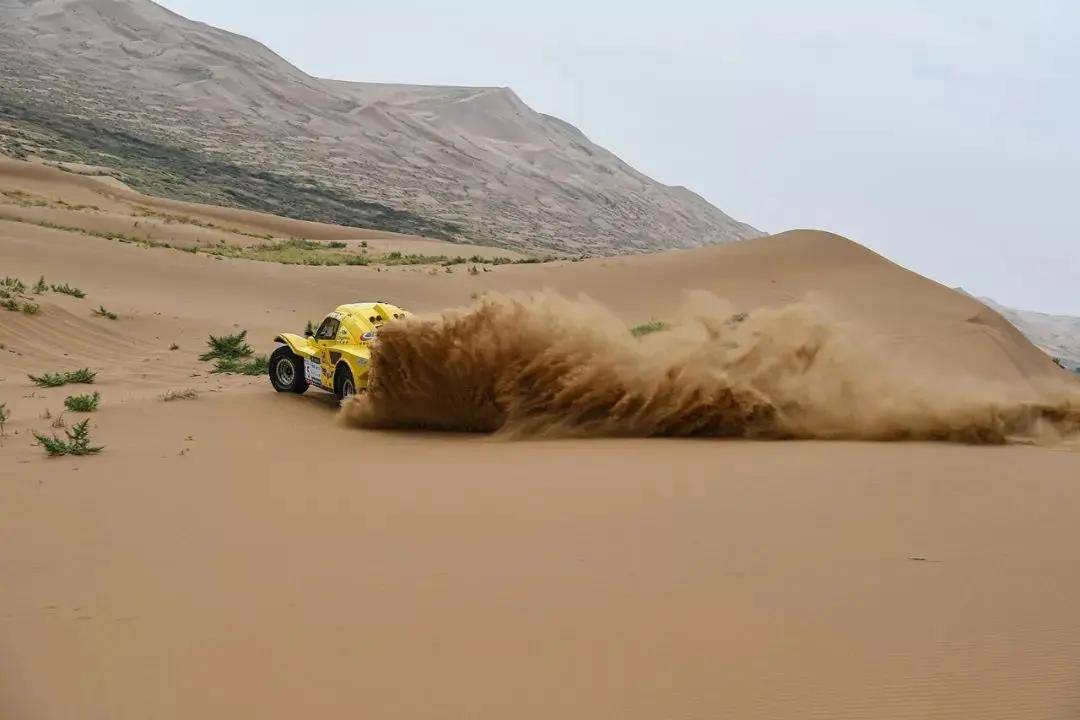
{"x": 246, "y": 553}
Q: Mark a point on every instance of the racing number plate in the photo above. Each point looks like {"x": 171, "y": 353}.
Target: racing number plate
{"x": 313, "y": 371}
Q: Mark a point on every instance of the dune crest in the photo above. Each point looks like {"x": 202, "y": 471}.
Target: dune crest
{"x": 545, "y": 365}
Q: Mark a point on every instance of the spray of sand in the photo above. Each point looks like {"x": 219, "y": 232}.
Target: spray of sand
{"x": 545, "y": 365}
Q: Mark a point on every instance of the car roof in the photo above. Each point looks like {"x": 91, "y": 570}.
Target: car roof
{"x": 366, "y": 307}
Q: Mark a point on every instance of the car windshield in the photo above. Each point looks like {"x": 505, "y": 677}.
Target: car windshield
{"x": 328, "y": 329}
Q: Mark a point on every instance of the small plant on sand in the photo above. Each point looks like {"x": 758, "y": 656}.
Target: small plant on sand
{"x": 230, "y": 347}
{"x": 77, "y": 442}
{"x": 83, "y": 375}
{"x": 13, "y": 296}
{"x": 310, "y": 328}
{"x": 337, "y": 244}
{"x": 66, "y": 289}
{"x": 256, "y": 365}
{"x": 647, "y": 328}
{"x": 232, "y": 354}
{"x": 11, "y": 285}
{"x": 102, "y": 312}
{"x": 40, "y": 286}
{"x": 3, "y": 417}
{"x": 83, "y": 403}
{"x": 185, "y": 394}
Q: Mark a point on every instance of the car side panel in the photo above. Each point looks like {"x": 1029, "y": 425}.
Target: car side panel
{"x": 357, "y": 357}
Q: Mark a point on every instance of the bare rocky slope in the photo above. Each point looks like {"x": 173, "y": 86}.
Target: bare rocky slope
{"x": 1057, "y": 335}
{"x": 190, "y": 111}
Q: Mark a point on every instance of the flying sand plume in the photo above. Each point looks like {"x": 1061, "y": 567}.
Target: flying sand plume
{"x": 545, "y": 365}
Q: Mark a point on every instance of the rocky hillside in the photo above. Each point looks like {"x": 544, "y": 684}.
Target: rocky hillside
{"x": 1057, "y": 335}
{"x": 186, "y": 110}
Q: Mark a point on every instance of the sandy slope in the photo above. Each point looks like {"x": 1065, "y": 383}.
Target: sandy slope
{"x": 95, "y": 204}
{"x": 242, "y": 554}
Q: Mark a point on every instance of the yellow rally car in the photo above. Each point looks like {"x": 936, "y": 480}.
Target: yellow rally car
{"x": 336, "y": 358}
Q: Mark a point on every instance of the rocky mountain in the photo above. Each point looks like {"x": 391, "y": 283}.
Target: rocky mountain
{"x": 187, "y": 110}
{"x": 1056, "y": 335}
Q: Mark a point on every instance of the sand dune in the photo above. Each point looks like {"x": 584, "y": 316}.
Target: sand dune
{"x": 244, "y": 553}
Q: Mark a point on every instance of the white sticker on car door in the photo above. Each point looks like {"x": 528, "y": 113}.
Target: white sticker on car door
{"x": 313, "y": 371}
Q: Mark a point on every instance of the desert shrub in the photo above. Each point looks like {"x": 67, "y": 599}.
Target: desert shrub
{"x": 255, "y": 365}
{"x": 66, "y": 289}
{"x": 12, "y": 285}
{"x": 82, "y": 403}
{"x": 231, "y": 347}
{"x": 83, "y": 375}
{"x": 649, "y": 327}
{"x": 30, "y": 308}
{"x": 77, "y": 442}
{"x": 102, "y": 312}
{"x": 40, "y": 286}
{"x": 337, "y": 244}
{"x": 185, "y": 394}
{"x": 310, "y": 329}
{"x": 232, "y": 354}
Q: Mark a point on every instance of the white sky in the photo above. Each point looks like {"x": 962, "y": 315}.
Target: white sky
{"x": 943, "y": 134}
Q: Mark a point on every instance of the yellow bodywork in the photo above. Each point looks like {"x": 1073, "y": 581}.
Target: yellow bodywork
{"x": 341, "y": 343}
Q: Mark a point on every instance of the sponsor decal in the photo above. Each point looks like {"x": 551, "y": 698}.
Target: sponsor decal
{"x": 313, "y": 372}
{"x": 369, "y": 336}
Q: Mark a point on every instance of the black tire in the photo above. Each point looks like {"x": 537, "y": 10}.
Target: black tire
{"x": 344, "y": 382}
{"x": 287, "y": 371}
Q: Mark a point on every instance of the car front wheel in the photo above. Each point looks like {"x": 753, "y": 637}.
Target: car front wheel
{"x": 287, "y": 371}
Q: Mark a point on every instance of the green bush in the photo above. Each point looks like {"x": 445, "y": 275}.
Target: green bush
{"x": 66, "y": 289}
{"x": 82, "y": 403}
{"x": 77, "y": 442}
{"x": 256, "y": 365}
{"x": 230, "y": 347}
{"x": 102, "y": 312}
{"x": 647, "y": 328}
{"x": 83, "y": 375}
{"x": 232, "y": 354}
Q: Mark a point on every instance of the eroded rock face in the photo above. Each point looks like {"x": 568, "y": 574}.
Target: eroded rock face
{"x": 470, "y": 163}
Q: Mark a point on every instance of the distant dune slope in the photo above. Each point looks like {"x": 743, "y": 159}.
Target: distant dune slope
{"x": 190, "y": 111}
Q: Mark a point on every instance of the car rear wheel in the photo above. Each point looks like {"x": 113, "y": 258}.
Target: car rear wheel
{"x": 344, "y": 383}
{"x": 287, "y": 371}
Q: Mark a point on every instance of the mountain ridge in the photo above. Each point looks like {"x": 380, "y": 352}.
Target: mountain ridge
{"x": 472, "y": 163}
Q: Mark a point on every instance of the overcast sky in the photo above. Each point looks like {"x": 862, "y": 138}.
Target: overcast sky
{"x": 943, "y": 134}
